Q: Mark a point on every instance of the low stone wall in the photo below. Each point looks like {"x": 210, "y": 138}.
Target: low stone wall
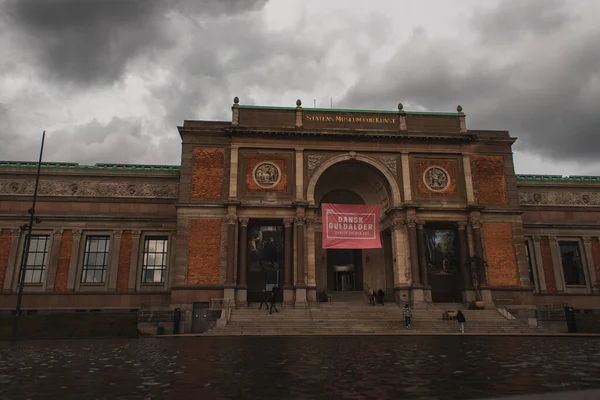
{"x": 71, "y": 325}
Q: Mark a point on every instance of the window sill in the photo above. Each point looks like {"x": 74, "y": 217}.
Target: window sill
{"x": 576, "y": 286}
{"x": 87, "y": 284}
{"x": 153, "y": 284}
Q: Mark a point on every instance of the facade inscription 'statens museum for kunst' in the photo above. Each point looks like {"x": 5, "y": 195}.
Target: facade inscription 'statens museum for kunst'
{"x": 243, "y": 214}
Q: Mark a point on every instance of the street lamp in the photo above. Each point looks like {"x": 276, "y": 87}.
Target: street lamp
{"x": 28, "y": 227}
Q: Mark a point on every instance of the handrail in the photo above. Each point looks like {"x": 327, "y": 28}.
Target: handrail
{"x": 429, "y": 304}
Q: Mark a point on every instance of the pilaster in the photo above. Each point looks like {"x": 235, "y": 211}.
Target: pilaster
{"x": 406, "y": 177}
{"x": 557, "y": 264}
{"x": 229, "y": 286}
{"x": 299, "y": 175}
{"x": 466, "y": 158}
{"x": 53, "y": 259}
{"x": 75, "y": 248}
{"x": 133, "y": 264}
{"x": 12, "y": 269}
{"x": 311, "y": 262}
{"x": 538, "y": 265}
{"x": 113, "y": 270}
{"x": 233, "y": 173}
{"x": 589, "y": 265}
{"x": 242, "y": 289}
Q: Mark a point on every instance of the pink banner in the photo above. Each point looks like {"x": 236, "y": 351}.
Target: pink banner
{"x": 350, "y": 226}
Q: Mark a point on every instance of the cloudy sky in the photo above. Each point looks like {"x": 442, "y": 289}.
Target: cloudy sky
{"x": 109, "y": 80}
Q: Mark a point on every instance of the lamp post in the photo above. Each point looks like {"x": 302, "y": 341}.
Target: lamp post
{"x": 28, "y": 227}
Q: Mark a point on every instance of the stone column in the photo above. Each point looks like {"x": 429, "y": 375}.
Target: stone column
{"x": 406, "y": 177}
{"x": 423, "y": 260}
{"x": 13, "y": 266}
{"x": 134, "y": 282}
{"x": 464, "y": 255}
{"x": 300, "y": 283}
{"x": 288, "y": 254}
{"x": 590, "y": 277}
{"x": 242, "y": 288}
{"x": 399, "y": 253}
{"x": 229, "y": 286}
{"x": 113, "y": 270}
{"x": 416, "y": 287}
{"x": 557, "y": 264}
{"x": 468, "y": 178}
{"x": 478, "y": 239}
{"x": 53, "y": 260}
{"x": 74, "y": 262}
{"x": 465, "y": 266}
{"x": 411, "y": 224}
{"x": 538, "y": 263}
{"x": 486, "y": 293}
{"x": 311, "y": 290}
{"x": 422, "y": 254}
{"x": 233, "y": 173}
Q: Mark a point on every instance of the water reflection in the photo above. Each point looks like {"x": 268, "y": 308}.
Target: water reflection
{"x": 305, "y": 367}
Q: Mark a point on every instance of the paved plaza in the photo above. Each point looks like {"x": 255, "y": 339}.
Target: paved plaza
{"x": 363, "y": 367}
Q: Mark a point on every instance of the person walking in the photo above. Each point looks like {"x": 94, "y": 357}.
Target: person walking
{"x": 371, "y": 296}
{"x": 265, "y": 300}
{"x": 381, "y": 296}
{"x": 407, "y": 315}
{"x": 273, "y": 300}
{"x": 460, "y": 317}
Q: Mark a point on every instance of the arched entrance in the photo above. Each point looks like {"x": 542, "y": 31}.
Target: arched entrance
{"x": 352, "y": 181}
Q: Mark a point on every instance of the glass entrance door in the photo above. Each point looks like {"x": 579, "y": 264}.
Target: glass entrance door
{"x": 345, "y": 281}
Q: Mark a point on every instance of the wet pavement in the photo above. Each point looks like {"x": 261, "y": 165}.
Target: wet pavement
{"x": 447, "y": 367}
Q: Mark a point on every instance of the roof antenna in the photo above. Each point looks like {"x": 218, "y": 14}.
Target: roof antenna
{"x": 314, "y": 103}
{"x": 331, "y": 102}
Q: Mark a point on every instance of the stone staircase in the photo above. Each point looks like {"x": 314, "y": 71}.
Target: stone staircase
{"x": 351, "y": 314}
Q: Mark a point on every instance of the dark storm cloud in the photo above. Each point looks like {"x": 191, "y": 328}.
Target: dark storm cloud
{"x": 546, "y": 93}
{"x": 91, "y": 42}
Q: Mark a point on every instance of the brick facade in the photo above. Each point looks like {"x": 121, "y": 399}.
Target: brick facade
{"x": 5, "y": 239}
{"x": 489, "y": 180}
{"x": 124, "y": 262}
{"x": 208, "y": 173}
{"x": 500, "y": 254}
{"x": 252, "y": 186}
{"x": 449, "y": 166}
{"x": 64, "y": 261}
{"x": 548, "y": 267}
{"x": 204, "y": 252}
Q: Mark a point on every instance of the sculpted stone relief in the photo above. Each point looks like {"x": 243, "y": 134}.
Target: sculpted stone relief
{"x": 266, "y": 174}
{"x": 436, "y": 178}
{"x": 313, "y": 162}
{"x": 389, "y": 162}
{"x": 560, "y": 198}
{"x": 22, "y": 187}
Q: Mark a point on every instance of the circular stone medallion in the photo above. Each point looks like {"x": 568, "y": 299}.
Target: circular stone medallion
{"x": 436, "y": 178}
{"x": 266, "y": 174}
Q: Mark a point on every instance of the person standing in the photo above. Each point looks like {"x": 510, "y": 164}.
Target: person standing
{"x": 460, "y": 317}
{"x": 265, "y": 300}
{"x": 371, "y": 296}
{"x": 407, "y": 315}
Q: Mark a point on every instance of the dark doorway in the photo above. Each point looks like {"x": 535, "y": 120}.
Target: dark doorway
{"x": 265, "y": 249}
{"x": 443, "y": 263}
{"x": 344, "y": 270}
{"x": 200, "y": 322}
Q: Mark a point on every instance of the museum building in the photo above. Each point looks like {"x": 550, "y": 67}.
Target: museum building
{"x": 243, "y": 213}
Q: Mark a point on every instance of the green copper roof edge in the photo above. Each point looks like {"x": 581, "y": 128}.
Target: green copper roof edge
{"x": 352, "y": 110}
{"x": 558, "y": 178}
{"x": 106, "y": 167}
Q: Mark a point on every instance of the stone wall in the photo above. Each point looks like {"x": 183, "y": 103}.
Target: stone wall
{"x": 204, "y": 252}
{"x": 208, "y": 173}
{"x": 489, "y": 180}
{"x": 500, "y": 254}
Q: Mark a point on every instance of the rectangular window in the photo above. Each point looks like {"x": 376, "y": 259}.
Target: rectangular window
{"x": 35, "y": 264}
{"x": 95, "y": 259}
{"x": 529, "y": 264}
{"x": 154, "y": 263}
{"x": 571, "y": 263}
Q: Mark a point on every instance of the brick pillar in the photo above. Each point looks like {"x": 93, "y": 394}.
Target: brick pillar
{"x": 464, "y": 254}
{"x": 478, "y": 239}
{"x": 422, "y": 255}
{"x": 411, "y": 223}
